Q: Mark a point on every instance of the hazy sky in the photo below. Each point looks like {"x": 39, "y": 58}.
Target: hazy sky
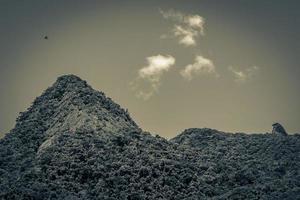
{"x": 230, "y": 65}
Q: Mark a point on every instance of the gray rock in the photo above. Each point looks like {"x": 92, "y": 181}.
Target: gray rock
{"x": 278, "y": 129}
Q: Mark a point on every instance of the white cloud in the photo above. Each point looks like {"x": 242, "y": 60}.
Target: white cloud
{"x": 200, "y": 66}
{"x": 157, "y": 65}
{"x": 187, "y": 27}
{"x": 149, "y": 77}
{"x": 186, "y": 37}
{"x": 196, "y": 21}
{"x": 243, "y": 75}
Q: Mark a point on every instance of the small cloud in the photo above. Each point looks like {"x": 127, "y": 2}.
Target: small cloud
{"x": 172, "y": 15}
{"x": 149, "y": 77}
{"x": 242, "y": 76}
{"x": 157, "y": 65}
{"x": 196, "y": 21}
{"x": 200, "y": 66}
{"x": 186, "y": 36}
{"x": 187, "y": 27}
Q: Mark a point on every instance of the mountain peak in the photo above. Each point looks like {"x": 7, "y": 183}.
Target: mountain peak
{"x": 70, "y": 104}
{"x": 70, "y": 79}
{"x": 70, "y": 83}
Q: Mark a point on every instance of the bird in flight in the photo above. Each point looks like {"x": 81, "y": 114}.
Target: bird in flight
{"x": 46, "y": 37}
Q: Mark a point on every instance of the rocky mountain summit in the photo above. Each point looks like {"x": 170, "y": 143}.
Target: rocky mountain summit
{"x": 76, "y": 143}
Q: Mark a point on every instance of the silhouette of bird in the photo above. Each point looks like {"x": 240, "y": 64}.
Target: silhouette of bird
{"x": 46, "y": 37}
{"x": 278, "y": 129}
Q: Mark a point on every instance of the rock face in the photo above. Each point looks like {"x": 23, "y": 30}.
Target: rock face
{"x": 278, "y": 129}
{"x": 75, "y": 143}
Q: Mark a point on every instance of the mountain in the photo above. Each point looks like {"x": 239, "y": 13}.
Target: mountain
{"x": 247, "y": 166}
{"x": 76, "y": 143}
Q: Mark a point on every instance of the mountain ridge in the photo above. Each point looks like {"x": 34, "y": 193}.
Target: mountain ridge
{"x": 76, "y": 143}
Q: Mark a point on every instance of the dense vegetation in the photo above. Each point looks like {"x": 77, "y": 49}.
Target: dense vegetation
{"x": 75, "y": 143}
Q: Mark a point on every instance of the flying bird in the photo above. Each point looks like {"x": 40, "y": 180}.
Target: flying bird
{"x": 46, "y": 37}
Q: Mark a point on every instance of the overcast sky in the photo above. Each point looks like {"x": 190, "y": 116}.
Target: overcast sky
{"x": 230, "y": 65}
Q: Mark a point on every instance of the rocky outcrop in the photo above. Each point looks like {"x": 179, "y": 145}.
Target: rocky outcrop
{"x": 278, "y": 130}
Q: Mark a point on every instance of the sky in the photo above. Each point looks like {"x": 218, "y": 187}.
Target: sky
{"x": 229, "y": 65}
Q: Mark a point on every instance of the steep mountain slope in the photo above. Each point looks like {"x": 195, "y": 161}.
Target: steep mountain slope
{"x": 69, "y": 105}
{"x": 75, "y": 143}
